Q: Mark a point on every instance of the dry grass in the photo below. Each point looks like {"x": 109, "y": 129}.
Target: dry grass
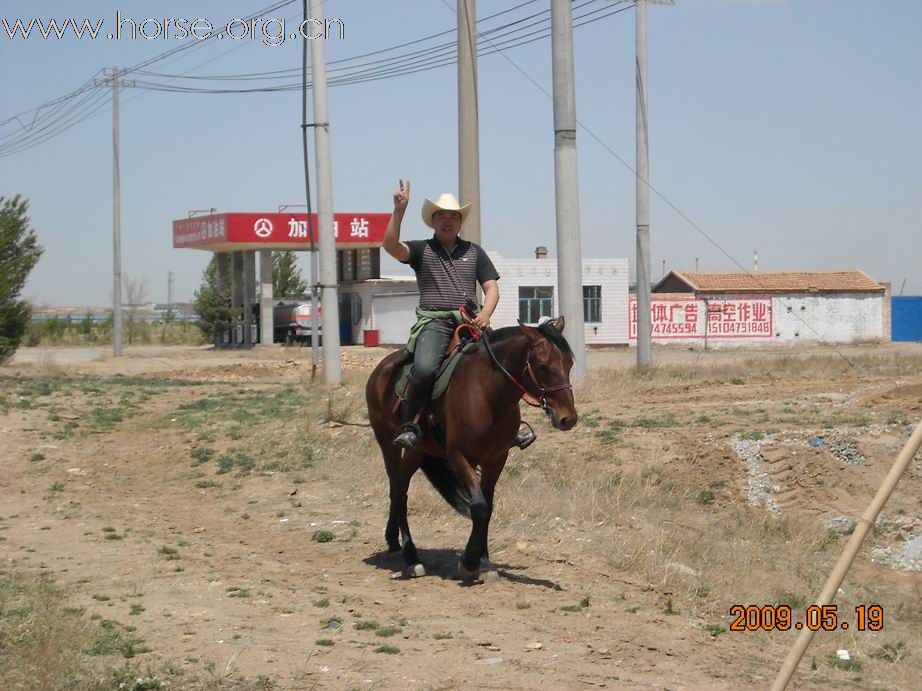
{"x": 765, "y": 366}
{"x": 44, "y": 644}
{"x": 613, "y": 498}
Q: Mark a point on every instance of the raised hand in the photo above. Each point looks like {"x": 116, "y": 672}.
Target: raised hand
{"x": 402, "y": 196}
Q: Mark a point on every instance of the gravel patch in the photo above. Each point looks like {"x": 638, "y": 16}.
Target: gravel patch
{"x": 844, "y": 451}
{"x": 843, "y": 525}
{"x": 905, "y": 557}
{"x": 759, "y": 487}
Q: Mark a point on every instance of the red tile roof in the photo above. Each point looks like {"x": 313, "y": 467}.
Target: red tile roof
{"x": 851, "y": 281}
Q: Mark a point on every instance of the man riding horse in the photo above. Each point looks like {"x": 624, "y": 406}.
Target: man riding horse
{"x": 448, "y": 269}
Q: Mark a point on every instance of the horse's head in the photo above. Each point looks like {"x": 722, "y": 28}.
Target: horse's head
{"x": 547, "y": 371}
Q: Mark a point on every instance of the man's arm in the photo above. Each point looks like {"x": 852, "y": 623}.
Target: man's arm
{"x": 490, "y": 300}
{"x": 392, "y": 243}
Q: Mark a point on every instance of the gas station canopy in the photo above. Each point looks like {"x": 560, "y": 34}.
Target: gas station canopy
{"x": 235, "y": 231}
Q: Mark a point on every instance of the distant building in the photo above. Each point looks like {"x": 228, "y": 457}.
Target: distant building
{"x": 739, "y": 308}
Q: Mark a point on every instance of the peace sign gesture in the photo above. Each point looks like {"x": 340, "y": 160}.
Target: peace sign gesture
{"x": 402, "y": 197}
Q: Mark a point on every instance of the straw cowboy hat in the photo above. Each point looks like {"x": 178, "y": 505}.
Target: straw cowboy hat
{"x": 446, "y": 202}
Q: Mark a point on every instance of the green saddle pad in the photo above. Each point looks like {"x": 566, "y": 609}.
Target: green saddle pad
{"x": 442, "y": 378}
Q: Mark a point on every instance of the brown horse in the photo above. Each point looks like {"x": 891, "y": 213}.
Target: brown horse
{"x": 476, "y": 421}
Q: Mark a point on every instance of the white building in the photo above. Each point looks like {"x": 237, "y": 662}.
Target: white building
{"x": 765, "y": 308}
{"x": 528, "y": 291}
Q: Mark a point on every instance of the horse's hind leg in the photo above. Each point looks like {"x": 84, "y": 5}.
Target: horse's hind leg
{"x": 469, "y": 566}
{"x": 400, "y": 469}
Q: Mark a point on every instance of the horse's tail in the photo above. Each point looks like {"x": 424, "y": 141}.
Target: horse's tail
{"x": 440, "y": 474}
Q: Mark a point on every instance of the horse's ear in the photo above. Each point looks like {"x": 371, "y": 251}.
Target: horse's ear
{"x": 559, "y": 323}
{"x": 530, "y": 332}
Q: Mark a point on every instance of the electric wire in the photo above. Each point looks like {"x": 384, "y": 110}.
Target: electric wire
{"x": 676, "y": 209}
{"x": 414, "y": 67}
{"x": 70, "y": 113}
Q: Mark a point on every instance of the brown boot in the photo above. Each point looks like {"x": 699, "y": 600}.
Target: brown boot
{"x": 525, "y": 437}
{"x": 409, "y": 433}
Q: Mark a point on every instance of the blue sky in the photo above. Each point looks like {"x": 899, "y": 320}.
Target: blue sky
{"x": 794, "y": 128}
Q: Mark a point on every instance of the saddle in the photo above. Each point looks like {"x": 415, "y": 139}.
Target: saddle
{"x": 443, "y": 378}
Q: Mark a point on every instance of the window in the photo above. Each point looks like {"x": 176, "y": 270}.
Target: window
{"x": 535, "y": 302}
{"x": 592, "y": 304}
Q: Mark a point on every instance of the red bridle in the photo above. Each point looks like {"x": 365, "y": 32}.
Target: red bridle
{"x": 529, "y": 398}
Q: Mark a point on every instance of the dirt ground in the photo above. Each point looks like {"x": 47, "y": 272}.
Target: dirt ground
{"x": 231, "y": 511}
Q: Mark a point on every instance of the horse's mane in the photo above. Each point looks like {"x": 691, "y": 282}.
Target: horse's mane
{"x": 546, "y": 329}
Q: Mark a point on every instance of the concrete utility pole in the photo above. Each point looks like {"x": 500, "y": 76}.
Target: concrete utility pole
{"x": 332, "y": 368}
{"x": 569, "y": 250}
{"x": 644, "y": 297}
{"x": 315, "y": 330}
{"x": 116, "y": 226}
{"x": 468, "y": 127}
{"x": 223, "y": 271}
{"x": 238, "y": 337}
{"x": 265, "y": 298}
{"x": 249, "y": 295}
{"x": 169, "y": 291}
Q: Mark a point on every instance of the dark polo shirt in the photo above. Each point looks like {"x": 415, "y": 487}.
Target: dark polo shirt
{"x": 445, "y": 283}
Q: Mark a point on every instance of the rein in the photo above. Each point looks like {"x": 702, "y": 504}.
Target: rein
{"x": 527, "y": 397}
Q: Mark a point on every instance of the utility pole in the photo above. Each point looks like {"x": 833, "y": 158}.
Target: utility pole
{"x": 315, "y": 331}
{"x": 332, "y": 368}
{"x": 113, "y": 78}
{"x": 116, "y": 226}
{"x": 569, "y": 250}
{"x": 169, "y": 291}
{"x": 644, "y": 298}
{"x": 468, "y": 128}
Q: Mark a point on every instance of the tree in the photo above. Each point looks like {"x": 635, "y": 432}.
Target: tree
{"x": 286, "y": 276}
{"x": 135, "y": 291}
{"x": 86, "y": 325}
{"x": 19, "y": 253}
{"x": 213, "y": 301}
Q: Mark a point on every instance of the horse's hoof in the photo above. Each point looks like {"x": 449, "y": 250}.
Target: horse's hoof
{"x": 488, "y": 572}
{"x": 414, "y": 571}
{"x": 467, "y": 575}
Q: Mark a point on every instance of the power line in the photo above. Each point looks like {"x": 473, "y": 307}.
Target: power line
{"x": 68, "y": 112}
{"x": 295, "y": 70}
{"x": 443, "y": 52}
{"x": 30, "y": 139}
{"x": 95, "y": 102}
{"x": 211, "y": 38}
{"x": 669, "y": 203}
{"x": 141, "y": 65}
{"x": 56, "y": 101}
{"x": 397, "y": 70}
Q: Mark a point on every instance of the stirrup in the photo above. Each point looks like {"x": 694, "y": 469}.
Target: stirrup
{"x": 408, "y": 435}
{"x": 525, "y": 437}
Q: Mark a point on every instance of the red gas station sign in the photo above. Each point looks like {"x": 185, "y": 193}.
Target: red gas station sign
{"x": 234, "y": 231}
